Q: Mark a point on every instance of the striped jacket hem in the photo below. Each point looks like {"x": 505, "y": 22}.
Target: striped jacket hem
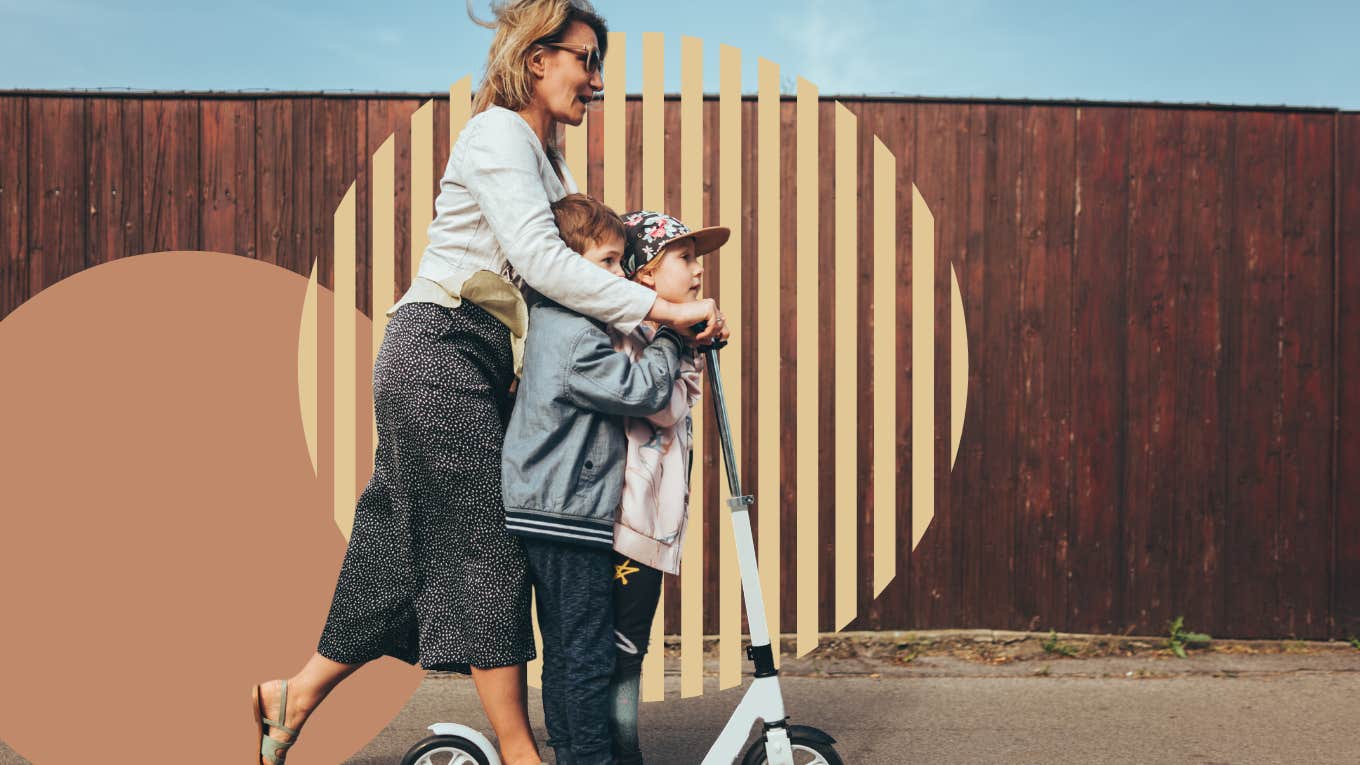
{"x": 583, "y": 531}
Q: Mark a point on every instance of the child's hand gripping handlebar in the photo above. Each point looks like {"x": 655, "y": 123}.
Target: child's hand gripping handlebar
{"x": 713, "y": 346}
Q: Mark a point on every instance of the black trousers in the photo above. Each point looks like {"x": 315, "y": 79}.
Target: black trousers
{"x": 576, "y": 616}
{"x": 637, "y": 589}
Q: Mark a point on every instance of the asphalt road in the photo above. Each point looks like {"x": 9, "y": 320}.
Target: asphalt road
{"x": 1270, "y": 716}
{"x": 1215, "y": 709}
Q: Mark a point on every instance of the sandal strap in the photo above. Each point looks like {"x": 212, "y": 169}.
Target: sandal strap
{"x": 279, "y": 726}
{"x": 283, "y": 712}
{"x": 272, "y": 749}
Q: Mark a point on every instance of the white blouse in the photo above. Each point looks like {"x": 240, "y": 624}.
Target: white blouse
{"x": 492, "y": 215}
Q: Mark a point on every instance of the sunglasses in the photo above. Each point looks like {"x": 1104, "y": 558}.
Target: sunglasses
{"x": 589, "y": 56}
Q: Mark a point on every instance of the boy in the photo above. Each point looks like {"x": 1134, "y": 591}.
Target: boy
{"x": 563, "y": 478}
{"x": 662, "y": 254}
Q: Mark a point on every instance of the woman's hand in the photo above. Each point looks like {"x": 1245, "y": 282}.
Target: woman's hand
{"x": 682, "y": 317}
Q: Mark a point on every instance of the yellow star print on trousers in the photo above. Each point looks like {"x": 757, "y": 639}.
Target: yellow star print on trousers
{"x": 625, "y": 568}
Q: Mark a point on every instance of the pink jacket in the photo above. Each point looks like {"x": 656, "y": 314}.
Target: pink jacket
{"x": 654, "y": 511}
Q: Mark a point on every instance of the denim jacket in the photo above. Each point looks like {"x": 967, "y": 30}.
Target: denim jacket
{"x": 563, "y": 461}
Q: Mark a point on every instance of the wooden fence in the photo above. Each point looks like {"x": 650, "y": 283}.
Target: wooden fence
{"x": 1162, "y": 304}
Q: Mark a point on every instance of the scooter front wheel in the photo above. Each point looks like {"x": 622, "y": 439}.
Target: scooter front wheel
{"x": 445, "y": 750}
{"x": 810, "y": 747}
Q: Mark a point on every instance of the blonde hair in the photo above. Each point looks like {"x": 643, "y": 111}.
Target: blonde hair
{"x": 650, "y": 267}
{"x": 520, "y": 25}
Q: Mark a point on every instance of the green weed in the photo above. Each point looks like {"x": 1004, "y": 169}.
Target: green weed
{"x": 1051, "y": 645}
{"x": 1180, "y": 639}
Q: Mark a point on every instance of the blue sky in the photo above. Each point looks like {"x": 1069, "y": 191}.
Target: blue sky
{"x": 1248, "y": 52}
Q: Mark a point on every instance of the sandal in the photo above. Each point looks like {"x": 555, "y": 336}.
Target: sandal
{"x": 271, "y": 749}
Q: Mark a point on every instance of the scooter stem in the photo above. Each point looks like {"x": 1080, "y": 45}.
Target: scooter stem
{"x": 763, "y": 700}
{"x": 724, "y": 428}
{"x": 739, "y": 504}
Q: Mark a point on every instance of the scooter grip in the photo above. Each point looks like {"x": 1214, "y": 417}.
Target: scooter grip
{"x": 713, "y": 346}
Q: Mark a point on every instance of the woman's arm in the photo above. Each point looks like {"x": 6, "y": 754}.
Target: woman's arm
{"x": 497, "y": 161}
{"x": 498, "y": 164}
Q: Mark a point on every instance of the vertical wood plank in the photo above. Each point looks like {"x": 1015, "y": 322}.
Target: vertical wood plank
{"x": 403, "y": 234}
{"x": 388, "y": 117}
{"x": 948, "y": 230}
{"x": 595, "y": 151}
{"x": 1306, "y": 397}
{"x": 383, "y": 216}
{"x": 1206, "y": 240}
{"x": 170, "y": 174}
{"x": 1045, "y": 306}
{"x": 978, "y": 490}
{"x": 990, "y": 554}
{"x": 942, "y": 179}
{"x": 786, "y": 494}
{"x": 574, "y": 151}
{"x": 115, "y": 156}
{"x": 422, "y": 190}
{"x": 896, "y": 125}
{"x": 14, "y": 207}
{"x": 1151, "y": 383}
{"x": 632, "y": 193}
{"x": 227, "y": 170}
{"x": 1346, "y": 526}
{"x": 341, "y": 125}
{"x": 673, "y": 193}
{"x": 864, "y": 367}
{"x": 715, "y": 515}
{"x": 807, "y": 303}
{"x": 1252, "y": 607}
{"x": 846, "y": 362}
{"x": 283, "y": 151}
{"x": 768, "y": 365}
{"x": 750, "y": 325}
{"x": 57, "y": 203}
{"x": 1095, "y": 584}
{"x": 826, "y": 263}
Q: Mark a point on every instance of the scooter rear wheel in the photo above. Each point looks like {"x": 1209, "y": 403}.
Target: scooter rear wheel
{"x": 807, "y": 750}
{"x": 445, "y": 750}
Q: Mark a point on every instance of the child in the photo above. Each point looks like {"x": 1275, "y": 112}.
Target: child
{"x": 563, "y": 479}
{"x": 663, "y": 254}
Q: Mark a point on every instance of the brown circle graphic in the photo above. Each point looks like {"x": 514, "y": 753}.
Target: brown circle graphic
{"x": 164, "y": 541}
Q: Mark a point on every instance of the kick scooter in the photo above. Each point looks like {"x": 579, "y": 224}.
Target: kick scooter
{"x": 779, "y": 744}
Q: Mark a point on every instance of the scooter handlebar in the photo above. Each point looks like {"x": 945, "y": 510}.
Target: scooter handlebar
{"x": 713, "y": 346}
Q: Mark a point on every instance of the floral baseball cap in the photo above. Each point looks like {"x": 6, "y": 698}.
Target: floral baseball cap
{"x": 649, "y": 232}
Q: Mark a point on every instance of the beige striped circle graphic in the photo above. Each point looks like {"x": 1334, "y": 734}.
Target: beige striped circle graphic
{"x": 734, "y": 265}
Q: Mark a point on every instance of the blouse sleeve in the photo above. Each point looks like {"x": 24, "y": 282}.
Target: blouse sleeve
{"x": 499, "y": 167}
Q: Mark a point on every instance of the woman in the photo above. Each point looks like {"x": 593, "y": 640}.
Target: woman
{"x": 430, "y": 574}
